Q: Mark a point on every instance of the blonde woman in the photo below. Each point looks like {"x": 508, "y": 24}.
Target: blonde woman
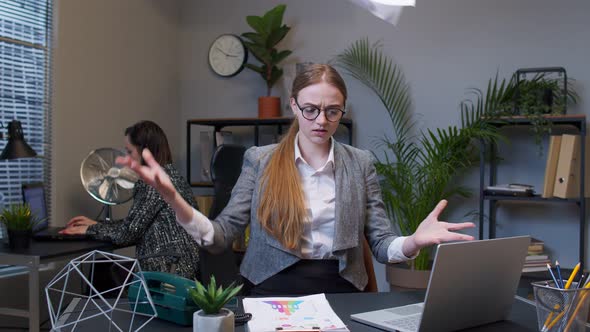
{"x": 309, "y": 201}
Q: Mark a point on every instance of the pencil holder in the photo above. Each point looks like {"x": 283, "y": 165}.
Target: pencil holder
{"x": 561, "y": 309}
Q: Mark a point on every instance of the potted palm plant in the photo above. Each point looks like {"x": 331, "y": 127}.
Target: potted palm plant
{"x": 213, "y": 317}
{"x": 269, "y": 30}
{"x": 417, "y": 167}
{"x": 19, "y": 222}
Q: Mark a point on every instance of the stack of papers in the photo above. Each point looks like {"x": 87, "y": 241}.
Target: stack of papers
{"x": 311, "y": 312}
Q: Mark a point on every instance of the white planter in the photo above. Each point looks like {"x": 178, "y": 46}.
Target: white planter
{"x": 223, "y": 322}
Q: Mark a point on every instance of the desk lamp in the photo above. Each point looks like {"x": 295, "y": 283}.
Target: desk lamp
{"x": 16, "y": 147}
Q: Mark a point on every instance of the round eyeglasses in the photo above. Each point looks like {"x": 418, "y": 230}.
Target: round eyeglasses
{"x": 311, "y": 112}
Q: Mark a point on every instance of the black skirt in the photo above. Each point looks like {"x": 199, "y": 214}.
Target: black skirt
{"x": 303, "y": 278}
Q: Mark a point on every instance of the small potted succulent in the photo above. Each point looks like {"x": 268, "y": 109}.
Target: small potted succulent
{"x": 213, "y": 317}
{"x": 19, "y": 222}
{"x": 269, "y": 30}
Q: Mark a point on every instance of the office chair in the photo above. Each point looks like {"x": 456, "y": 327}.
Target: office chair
{"x": 368, "y": 258}
{"x": 226, "y": 166}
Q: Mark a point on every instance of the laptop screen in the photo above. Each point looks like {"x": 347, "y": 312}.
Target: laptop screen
{"x": 34, "y": 195}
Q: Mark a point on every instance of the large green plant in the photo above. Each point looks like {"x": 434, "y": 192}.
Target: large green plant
{"x": 418, "y": 168}
{"x": 18, "y": 217}
{"x": 212, "y": 298}
{"x": 269, "y": 31}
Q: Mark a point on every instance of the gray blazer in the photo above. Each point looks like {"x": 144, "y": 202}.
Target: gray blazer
{"x": 359, "y": 212}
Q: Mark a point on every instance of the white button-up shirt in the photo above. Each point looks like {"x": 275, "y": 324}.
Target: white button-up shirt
{"x": 319, "y": 188}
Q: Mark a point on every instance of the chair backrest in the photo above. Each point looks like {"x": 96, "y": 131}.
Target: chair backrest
{"x": 368, "y": 258}
{"x": 226, "y": 166}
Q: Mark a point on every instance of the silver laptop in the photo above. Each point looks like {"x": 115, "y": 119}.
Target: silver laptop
{"x": 472, "y": 283}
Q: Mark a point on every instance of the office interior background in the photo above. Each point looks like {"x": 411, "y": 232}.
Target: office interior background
{"x": 119, "y": 61}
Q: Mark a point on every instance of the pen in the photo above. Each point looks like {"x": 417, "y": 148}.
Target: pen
{"x": 560, "y": 279}
{"x": 572, "y": 276}
{"x": 297, "y": 329}
{"x": 581, "y": 281}
{"x": 552, "y": 275}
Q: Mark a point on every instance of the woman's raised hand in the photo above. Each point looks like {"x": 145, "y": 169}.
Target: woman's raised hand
{"x": 152, "y": 174}
{"x": 432, "y": 231}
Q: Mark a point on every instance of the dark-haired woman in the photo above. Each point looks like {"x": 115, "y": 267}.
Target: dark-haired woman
{"x": 309, "y": 201}
{"x": 161, "y": 243}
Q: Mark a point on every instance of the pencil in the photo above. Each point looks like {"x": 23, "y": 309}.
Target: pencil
{"x": 572, "y": 276}
{"x": 545, "y": 325}
{"x": 578, "y": 307}
{"x": 552, "y": 275}
{"x": 573, "y": 316}
{"x": 559, "y": 278}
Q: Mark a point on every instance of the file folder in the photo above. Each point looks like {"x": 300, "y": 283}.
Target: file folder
{"x": 551, "y": 166}
{"x": 567, "y": 178}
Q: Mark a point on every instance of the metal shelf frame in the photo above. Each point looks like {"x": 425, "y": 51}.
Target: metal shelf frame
{"x": 576, "y": 121}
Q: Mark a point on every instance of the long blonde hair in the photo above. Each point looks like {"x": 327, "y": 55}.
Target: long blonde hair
{"x": 282, "y": 209}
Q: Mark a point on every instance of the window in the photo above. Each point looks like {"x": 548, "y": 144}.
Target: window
{"x": 25, "y": 90}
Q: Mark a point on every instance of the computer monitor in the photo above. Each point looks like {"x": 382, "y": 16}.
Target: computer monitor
{"x": 34, "y": 195}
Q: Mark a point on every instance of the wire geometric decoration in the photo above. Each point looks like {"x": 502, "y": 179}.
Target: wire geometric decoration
{"x": 96, "y": 305}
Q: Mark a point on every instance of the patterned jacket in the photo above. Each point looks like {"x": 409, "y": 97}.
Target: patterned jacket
{"x": 151, "y": 226}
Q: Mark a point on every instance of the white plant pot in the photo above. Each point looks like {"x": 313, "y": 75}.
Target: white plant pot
{"x": 223, "y": 322}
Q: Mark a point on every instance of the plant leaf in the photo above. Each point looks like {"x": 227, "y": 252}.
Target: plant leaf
{"x": 257, "y": 23}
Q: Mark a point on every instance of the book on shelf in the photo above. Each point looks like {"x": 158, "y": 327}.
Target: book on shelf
{"x": 538, "y": 263}
{"x": 223, "y": 137}
{"x": 536, "y": 247}
{"x": 534, "y": 269}
{"x": 511, "y": 189}
{"x": 536, "y": 258}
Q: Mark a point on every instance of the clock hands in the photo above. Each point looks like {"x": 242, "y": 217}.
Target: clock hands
{"x": 226, "y": 54}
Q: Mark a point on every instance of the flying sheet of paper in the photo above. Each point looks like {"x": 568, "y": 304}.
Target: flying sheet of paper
{"x": 387, "y": 10}
{"x": 292, "y": 313}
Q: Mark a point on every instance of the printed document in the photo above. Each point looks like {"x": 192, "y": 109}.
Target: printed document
{"x": 311, "y": 312}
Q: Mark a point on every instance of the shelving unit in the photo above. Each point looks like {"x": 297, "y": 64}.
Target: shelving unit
{"x": 219, "y": 124}
{"x": 576, "y": 121}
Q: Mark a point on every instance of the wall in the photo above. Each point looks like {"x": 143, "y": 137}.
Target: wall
{"x": 443, "y": 47}
{"x": 115, "y": 64}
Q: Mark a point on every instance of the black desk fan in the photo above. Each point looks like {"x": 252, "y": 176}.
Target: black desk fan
{"x": 106, "y": 181}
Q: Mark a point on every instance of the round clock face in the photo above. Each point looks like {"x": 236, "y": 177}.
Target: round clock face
{"x": 227, "y": 55}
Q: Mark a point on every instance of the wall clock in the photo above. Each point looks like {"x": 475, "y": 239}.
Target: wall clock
{"x": 227, "y": 55}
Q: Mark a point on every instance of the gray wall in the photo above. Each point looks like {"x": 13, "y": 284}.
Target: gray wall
{"x": 115, "y": 64}
{"x": 444, "y": 47}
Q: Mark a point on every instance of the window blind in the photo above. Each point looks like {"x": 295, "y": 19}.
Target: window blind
{"x": 25, "y": 91}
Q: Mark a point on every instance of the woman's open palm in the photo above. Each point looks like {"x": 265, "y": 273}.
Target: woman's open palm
{"x": 151, "y": 173}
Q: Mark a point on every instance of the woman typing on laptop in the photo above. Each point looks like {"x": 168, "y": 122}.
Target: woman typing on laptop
{"x": 151, "y": 223}
{"x": 309, "y": 201}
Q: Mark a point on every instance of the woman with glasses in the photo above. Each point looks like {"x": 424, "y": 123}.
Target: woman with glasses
{"x": 161, "y": 244}
{"x": 309, "y": 201}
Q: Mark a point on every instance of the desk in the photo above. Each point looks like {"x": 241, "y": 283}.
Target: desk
{"x": 522, "y": 317}
{"x": 43, "y": 252}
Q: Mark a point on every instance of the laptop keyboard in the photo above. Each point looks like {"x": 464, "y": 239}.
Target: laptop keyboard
{"x": 407, "y": 310}
{"x": 407, "y": 323}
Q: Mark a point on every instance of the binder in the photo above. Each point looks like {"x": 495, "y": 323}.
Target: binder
{"x": 567, "y": 176}
{"x": 551, "y": 166}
